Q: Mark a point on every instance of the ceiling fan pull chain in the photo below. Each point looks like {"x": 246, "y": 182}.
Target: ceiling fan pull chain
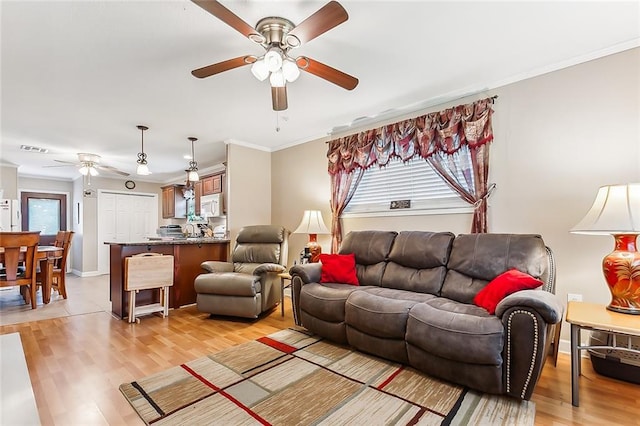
{"x": 277, "y": 121}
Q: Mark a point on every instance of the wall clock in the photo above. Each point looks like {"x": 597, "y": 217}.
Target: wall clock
{"x": 130, "y": 184}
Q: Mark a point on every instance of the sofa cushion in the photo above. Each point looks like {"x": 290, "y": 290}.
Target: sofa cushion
{"x": 325, "y": 301}
{"x": 456, "y": 331}
{"x": 371, "y": 249}
{"x": 421, "y": 249}
{"x": 338, "y": 268}
{"x": 417, "y": 261}
{"x": 381, "y": 312}
{"x": 477, "y": 259}
{"x": 256, "y": 253}
{"x": 228, "y": 284}
{"x": 503, "y": 285}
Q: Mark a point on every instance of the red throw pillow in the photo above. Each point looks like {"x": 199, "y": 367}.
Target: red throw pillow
{"x": 502, "y": 286}
{"x": 339, "y": 268}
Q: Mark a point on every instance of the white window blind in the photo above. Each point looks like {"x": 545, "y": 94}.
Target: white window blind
{"x": 414, "y": 180}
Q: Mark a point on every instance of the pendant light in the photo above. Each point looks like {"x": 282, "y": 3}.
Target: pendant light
{"x": 192, "y": 175}
{"x": 142, "y": 168}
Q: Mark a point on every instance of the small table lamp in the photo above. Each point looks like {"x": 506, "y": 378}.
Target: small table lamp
{"x": 616, "y": 211}
{"x": 313, "y": 225}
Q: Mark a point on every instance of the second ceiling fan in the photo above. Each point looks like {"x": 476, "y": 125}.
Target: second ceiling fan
{"x": 278, "y": 36}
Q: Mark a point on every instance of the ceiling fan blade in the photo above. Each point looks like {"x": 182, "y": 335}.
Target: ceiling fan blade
{"x": 65, "y": 162}
{"x": 60, "y": 165}
{"x": 279, "y": 98}
{"x": 329, "y": 16}
{"x": 228, "y": 17}
{"x": 328, "y": 73}
{"x": 227, "y": 65}
{"x": 111, "y": 169}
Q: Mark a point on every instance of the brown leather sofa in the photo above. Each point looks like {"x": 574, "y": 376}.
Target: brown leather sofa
{"x": 249, "y": 284}
{"x": 415, "y": 306}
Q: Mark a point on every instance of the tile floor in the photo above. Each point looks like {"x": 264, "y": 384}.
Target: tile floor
{"x": 84, "y": 295}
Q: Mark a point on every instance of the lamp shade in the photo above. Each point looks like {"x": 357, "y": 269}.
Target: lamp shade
{"x": 616, "y": 210}
{"x": 142, "y": 169}
{"x": 260, "y": 70}
{"x": 312, "y": 223}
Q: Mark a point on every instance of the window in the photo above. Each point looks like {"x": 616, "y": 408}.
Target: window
{"x": 414, "y": 180}
{"x": 44, "y": 212}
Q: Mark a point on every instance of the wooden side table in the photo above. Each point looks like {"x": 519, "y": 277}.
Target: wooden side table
{"x": 591, "y": 316}
{"x": 285, "y": 276}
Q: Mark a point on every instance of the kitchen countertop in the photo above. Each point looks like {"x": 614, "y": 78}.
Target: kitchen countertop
{"x": 179, "y": 241}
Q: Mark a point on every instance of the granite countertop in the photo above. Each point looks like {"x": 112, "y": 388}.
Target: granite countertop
{"x": 170, "y": 241}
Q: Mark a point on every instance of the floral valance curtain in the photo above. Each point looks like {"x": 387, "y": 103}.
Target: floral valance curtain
{"x": 438, "y": 137}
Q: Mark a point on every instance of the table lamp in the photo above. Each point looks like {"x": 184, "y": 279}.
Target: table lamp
{"x": 616, "y": 211}
{"x": 313, "y": 225}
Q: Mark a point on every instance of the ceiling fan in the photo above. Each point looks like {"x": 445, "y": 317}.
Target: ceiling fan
{"x": 278, "y": 36}
{"x": 89, "y": 164}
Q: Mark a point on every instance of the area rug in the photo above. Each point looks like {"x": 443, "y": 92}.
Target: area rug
{"x": 294, "y": 378}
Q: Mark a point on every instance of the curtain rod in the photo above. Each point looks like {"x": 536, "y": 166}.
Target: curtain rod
{"x": 378, "y": 119}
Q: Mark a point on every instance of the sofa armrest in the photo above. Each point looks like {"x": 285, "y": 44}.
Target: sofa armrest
{"x": 546, "y": 304}
{"x": 301, "y": 275}
{"x": 308, "y": 273}
{"x": 528, "y": 317}
{"x": 217, "y": 266}
{"x": 268, "y": 267}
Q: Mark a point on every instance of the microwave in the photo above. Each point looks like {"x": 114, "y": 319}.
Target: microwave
{"x": 211, "y": 205}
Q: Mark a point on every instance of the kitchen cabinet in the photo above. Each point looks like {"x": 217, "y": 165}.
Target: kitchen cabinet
{"x": 197, "y": 193}
{"x": 174, "y": 204}
{"x": 212, "y": 184}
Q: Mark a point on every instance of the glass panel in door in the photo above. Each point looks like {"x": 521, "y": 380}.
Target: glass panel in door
{"x": 45, "y": 213}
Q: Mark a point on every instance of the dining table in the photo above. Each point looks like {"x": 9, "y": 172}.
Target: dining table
{"x": 47, "y": 256}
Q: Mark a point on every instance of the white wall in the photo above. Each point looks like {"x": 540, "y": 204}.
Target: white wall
{"x": 558, "y": 137}
{"x": 9, "y": 181}
{"x": 248, "y": 191}
{"x": 300, "y": 182}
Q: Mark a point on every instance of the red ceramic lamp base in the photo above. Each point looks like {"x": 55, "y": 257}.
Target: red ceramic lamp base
{"x": 314, "y": 248}
{"x": 621, "y": 270}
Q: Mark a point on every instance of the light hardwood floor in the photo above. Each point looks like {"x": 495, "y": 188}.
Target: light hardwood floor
{"x": 76, "y": 364}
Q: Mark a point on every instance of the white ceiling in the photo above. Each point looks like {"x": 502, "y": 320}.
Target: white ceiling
{"x": 79, "y": 76}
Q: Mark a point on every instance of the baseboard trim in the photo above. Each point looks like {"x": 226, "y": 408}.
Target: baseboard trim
{"x": 86, "y": 274}
{"x": 565, "y": 348}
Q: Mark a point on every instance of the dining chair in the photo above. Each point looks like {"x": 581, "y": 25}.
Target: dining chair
{"x": 19, "y": 261}
{"x": 58, "y": 278}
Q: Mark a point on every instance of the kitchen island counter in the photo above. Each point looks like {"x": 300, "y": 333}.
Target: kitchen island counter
{"x": 188, "y": 254}
{"x": 175, "y": 241}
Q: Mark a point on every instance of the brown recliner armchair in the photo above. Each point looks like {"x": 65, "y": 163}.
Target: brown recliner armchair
{"x": 249, "y": 284}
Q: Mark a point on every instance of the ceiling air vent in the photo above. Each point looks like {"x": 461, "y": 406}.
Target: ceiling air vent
{"x": 29, "y": 148}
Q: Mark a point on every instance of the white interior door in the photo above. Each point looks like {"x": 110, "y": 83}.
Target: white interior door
{"x": 124, "y": 218}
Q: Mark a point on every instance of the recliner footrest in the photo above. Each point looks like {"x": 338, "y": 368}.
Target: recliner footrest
{"x": 228, "y": 284}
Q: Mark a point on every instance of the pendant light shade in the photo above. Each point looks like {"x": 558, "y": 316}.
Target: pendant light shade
{"x": 142, "y": 168}
{"x": 192, "y": 174}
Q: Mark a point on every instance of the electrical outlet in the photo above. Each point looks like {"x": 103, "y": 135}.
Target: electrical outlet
{"x": 572, "y": 297}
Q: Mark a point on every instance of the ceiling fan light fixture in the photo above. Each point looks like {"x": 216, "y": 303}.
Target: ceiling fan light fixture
{"x": 84, "y": 170}
{"x": 273, "y": 59}
{"x": 259, "y": 70}
{"x": 290, "y": 70}
{"x": 277, "y": 79}
{"x": 93, "y": 171}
